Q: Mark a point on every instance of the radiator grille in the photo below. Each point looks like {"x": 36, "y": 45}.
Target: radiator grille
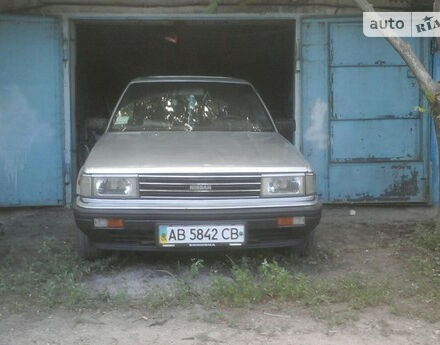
{"x": 199, "y": 186}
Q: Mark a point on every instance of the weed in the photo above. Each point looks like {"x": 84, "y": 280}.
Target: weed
{"x": 195, "y": 268}
{"x": 180, "y": 293}
{"x": 271, "y": 281}
{"x": 275, "y": 280}
{"x": 239, "y": 290}
{"x": 54, "y": 277}
{"x": 361, "y": 292}
{"x": 424, "y": 261}
{"x": 421, "y": 287}
{"x": 427, "y": 237}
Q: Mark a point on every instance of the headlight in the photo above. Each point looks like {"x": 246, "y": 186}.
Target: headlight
{"x": 294, "y": 185}
{"x": 108, "y": 187}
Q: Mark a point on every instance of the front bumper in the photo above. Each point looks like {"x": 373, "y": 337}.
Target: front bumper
{"x": 141, "y": 224}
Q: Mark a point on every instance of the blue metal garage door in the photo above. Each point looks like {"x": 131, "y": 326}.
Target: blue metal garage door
{"x": 360, "y": 129}
{"x": 31, "y": 120}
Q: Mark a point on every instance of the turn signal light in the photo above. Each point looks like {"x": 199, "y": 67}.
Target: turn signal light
{"x": 285, "y": 221}
{"x": 115, "y": 223}
{"x": 290, "y": 221}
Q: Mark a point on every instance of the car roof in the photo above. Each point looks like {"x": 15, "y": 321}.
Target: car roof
{"x": 190, "y": 78}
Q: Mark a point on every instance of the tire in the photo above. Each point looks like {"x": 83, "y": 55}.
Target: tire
{"x": 86, "y": 249}
{"x": 308, "y": 245}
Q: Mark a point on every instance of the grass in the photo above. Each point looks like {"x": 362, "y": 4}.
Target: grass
{"x": 273, "y": 282}
{"x": 182, "y": 293}
{"x": 422, "y": 262}
{"x": 56, "y": 277}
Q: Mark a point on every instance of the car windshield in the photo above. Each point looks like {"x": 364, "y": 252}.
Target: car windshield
{"x": 190, "y": 106}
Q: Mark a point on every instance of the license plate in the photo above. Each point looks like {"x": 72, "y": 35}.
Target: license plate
{"x": 201, "y": 235}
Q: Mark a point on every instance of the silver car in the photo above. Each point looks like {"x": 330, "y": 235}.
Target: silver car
{"x": 194, "y": 163}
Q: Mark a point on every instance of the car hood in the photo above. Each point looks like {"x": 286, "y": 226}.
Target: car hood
{"x": 193, "y": 152}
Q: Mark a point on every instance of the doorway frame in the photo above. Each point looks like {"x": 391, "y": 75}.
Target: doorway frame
{"x": 68, "y": 26}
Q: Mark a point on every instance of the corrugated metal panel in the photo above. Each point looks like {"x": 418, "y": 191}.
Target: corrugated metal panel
{"x": 367, "y": 92}
{"x": 361, "y": 131}
{"x": 375, "y": 140}
{"x": 31, "y": 119}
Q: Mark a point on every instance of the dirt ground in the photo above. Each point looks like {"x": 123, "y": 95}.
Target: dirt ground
{"x": 355, "y": 243}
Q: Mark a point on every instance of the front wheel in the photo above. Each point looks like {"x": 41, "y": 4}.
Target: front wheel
{"x": 307, "y": 247}
{"x": 86, "y": 248}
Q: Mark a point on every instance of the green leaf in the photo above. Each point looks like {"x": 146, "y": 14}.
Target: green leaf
{"x": 213, "y": 6}
{"x": 421, "y": 109}
{"x": 430, "y": 96}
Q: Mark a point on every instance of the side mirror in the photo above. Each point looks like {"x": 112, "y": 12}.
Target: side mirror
{"x": 286, "y": 127}
{"x": 97, "y": 124}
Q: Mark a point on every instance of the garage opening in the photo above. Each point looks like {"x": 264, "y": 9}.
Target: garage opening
{"x": 110, "y": 54}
